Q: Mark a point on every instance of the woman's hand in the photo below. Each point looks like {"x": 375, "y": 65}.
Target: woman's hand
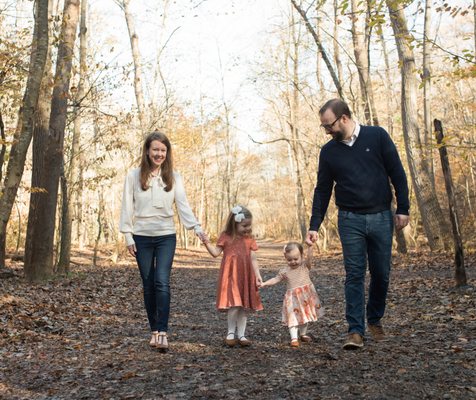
{"x": 132, "y": 250}
{"x": 259, "y": 281}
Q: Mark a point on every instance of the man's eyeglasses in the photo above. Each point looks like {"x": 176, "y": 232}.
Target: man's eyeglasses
{"x": 328, "y": 127}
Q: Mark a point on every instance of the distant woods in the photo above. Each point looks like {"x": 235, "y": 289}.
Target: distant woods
{"x": 78, "y": 94}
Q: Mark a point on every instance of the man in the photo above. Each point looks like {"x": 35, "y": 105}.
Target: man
{"x": 360, "y": 160}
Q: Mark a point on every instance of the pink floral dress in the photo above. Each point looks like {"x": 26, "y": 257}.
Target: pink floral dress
{"x": 301, "y": 303}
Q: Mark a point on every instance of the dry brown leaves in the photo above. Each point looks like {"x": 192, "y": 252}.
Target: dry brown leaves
{"x": 85, "y": 337}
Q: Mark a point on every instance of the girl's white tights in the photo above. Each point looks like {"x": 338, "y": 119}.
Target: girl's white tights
{"x": 298, "y": 329}
{"x": 237, "y": 318}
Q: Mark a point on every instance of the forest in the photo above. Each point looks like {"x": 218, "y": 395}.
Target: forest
{"x": 237, "y": 86}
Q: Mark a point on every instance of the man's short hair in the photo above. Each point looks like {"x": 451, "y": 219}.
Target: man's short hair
{"x": 338, "y": 107}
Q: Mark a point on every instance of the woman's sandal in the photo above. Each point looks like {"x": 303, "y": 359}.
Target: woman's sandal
{"x": 153, "y": 339}
{"x": 162, "y": 342}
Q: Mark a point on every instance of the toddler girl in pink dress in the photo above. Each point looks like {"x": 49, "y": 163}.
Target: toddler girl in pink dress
{"x": 301, "y": 303}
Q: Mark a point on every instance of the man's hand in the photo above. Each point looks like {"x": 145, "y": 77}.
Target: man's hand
{"x": 311, "y": 237}
{"x": 401, "y": 221}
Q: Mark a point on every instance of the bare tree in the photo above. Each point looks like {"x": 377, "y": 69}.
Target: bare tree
{"x": 360, "y": 36}
{"x": 69, "y": 180}
{"x": 136, "y": 58}
{"x": 24, "y": 131}
{"x": 39, "y": 260}
{"x": 432, "y": 217}
{"x": 426, "y": 78}
{"x": 314, "y": 35}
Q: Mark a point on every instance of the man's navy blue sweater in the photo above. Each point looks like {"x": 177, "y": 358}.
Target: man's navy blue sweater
{"x": 361, "y": 175}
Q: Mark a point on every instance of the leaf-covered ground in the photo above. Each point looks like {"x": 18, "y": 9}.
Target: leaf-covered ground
{"x": 86, "y": 337}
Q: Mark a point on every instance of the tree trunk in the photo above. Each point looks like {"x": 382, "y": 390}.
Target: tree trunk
{"x": 337, "y": 60}
{"x": 24, "y": 132}
{"x": 460, "y": 272}
{"x": 42, "y": 217}
{"x": 360, "y": 33}
{"x": 70, "y": 179}
{"x": 136, "y": 58}
{"x": 426, "y": 78}
{"x": 321, "y": 48}
{"x": 432, "y": 216}
{"x": 388, "y": 86}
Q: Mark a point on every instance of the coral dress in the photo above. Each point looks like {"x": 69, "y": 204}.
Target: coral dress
{"x": 301, "y": 303}
{"x": 237, "y": 280}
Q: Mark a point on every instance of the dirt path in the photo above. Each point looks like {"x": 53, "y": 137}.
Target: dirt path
{"x": 85, "y": 337}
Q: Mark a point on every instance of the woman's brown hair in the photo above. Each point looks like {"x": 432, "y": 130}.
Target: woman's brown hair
{"x": 167, "y": 167}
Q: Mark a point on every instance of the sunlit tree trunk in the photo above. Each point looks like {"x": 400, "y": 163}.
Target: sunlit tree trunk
{"x": 293, "y": 125}
{"x": 39, "y": 257}
{"x": 136, "y": 58}
{"x": 71, "y": 176}
{"x": 337, "y": 60}
{"x": 24, "y": 131}
{"x": 360, "y": 37}
{"x": 426, "y": 77}
{"x": 430, "y": 210}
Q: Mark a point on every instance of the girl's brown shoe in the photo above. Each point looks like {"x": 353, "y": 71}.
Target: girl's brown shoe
{"x": 244, "y": 342}
{"x": 294, "y": 343}
{"x": 305, "y": 338}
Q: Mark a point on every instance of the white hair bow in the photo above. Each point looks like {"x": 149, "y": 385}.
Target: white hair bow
{"x": 239, "y": 216}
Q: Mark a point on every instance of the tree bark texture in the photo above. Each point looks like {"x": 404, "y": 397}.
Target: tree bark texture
{"x": 136, "y": 58}
{"x": 430, "y": 210}
{"x": 69, "y": 186}
{"x": 360, "y": 33}
{"x": 426, "y": 78}
{"x": 39, "y": 260}
{"x": 24, "y": 133}
{"x": 460, "y": 272}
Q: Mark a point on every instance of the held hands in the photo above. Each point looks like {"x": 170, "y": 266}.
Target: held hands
{"x": 259, "y": 282}
{"x": 311, "y": 237}
{"x": 401, "y": 221}
{"x": 203, "y": 237}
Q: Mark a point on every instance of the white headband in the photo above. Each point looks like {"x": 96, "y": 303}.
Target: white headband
{"x": 239, "y": 216}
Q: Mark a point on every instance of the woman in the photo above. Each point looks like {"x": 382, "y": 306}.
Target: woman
{"x": 148, "y": 225}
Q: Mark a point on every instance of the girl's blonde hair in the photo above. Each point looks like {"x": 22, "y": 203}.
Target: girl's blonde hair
{"x": 166, "y": 169}
{"x": 231, "y": 223}
{"x": 291, "y": 246}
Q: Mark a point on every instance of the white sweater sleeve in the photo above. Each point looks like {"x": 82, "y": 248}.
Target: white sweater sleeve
{"x": 126, "y": 223}
{"x": 184, "y": 211}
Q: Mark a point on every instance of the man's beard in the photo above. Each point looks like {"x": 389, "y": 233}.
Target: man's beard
{"x": 338, "y": 136}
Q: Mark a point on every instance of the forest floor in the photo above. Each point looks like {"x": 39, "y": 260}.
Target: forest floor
{"x": 86, "y": 337}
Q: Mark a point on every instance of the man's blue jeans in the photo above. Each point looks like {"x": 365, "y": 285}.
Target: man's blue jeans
{"x": 366, "y": 237}
{"x": 155, "y": 255}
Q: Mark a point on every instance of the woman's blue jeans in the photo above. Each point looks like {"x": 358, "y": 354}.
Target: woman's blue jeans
{"x": 366, "y": 237}
{"x": 155, "y": 255}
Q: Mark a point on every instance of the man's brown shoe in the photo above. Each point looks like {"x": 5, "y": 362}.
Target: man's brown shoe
{"x": 354, "y": 341}
{"x": 377, "y": 332}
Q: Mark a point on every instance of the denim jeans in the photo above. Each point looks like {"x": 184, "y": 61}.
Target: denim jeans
{"x": 155, "y": 255}
{"x": 366, "y": 237}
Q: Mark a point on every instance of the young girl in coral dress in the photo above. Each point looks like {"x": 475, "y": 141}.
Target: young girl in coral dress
{"x": 239, "y": 278}
{"x": 301, "y": 303}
